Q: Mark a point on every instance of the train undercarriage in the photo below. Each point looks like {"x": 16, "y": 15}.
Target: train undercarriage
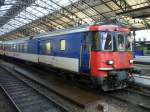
{"x": 115, "y": 80}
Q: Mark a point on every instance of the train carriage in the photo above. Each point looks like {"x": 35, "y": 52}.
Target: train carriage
{"x": 102, "y": 52}
{"x": 1, "y": 48}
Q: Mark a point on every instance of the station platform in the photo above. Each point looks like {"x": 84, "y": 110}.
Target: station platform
{"x": 142, "y": 64}
{"x": 142, "y": 80}
{"x": 142, "y": 59}
{"x": 145, "y": 69}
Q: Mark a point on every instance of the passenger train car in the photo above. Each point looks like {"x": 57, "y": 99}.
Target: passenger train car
{"x": 102, "y": 52}
{"x": 1, "y": 48}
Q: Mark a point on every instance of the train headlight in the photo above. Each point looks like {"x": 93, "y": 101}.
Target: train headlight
{"x": 110, "y": 62}
{"x": 131, "y": 61}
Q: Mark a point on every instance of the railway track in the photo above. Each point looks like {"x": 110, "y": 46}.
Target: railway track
{"x": 25, "y": 98}
{"x": 77, "y": 102}
{"x": 130, "y": 95}
{"x": 135, "y": 98}
{"x": 139, "y": 90}
{"x": 5, "y": 104}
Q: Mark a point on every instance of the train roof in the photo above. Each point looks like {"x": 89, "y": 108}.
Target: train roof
{"x": 109, "y": 27}
{"x": 20, "y": 40}
{"x": 84, "y": 29}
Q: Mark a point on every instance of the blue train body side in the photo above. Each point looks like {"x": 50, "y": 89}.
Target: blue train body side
{"x": 74, "y": 41}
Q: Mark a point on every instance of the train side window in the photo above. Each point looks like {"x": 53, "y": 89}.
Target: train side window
{"x": 25, "y": 47}
{"x": 22, "y": 47}
{"x": 14, "y": 47}
{"x": 17, "y": 47}
{"x": 48, "y": 47}
{"x": 11, "y": 47}
{"x": 62, "y": 45}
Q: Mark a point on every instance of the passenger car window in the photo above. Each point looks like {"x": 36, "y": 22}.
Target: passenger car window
{"x": 48, "y": 47}
{"x": 62, "y": 45}
{"x": 17, "y": 45}
{"x": 25, "y": 47}
{"x": 21, "y": 47}
{"x": 14, "y": 47}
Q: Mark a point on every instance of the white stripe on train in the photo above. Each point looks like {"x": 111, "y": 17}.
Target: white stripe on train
{"x": 71, "y": 64}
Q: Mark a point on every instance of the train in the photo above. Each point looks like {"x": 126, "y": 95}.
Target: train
{"x": 100, "y": 52}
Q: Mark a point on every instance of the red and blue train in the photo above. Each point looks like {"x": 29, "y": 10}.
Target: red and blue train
{"x": 101, "y": 52}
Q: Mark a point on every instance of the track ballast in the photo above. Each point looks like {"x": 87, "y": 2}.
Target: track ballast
{"x": 25, "y": 98}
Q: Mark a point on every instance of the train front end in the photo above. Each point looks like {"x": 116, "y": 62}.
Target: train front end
{"x": 111, "y": 57}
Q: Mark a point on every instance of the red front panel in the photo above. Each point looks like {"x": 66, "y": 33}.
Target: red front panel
{"x": 112, "y": 28}
{"x": 99, "y": 61}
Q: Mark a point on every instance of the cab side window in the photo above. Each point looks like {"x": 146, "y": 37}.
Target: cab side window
{"x": 62, "y": 45}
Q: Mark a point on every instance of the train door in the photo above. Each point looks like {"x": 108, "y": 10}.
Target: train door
{"x": 45, "y": 52}
{"x": 85, "y": 51}
{"x": 39, "y": 48}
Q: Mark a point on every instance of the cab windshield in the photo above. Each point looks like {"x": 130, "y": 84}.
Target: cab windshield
{"x": 106, "y": 41}
{"x": 120, "y": 42}
{"x": 111, "y": 41}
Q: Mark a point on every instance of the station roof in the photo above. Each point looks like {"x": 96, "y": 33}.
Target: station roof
{"x": 24, "y": 18}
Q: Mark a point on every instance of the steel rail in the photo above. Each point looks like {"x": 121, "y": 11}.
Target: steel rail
{"x": 1, "y": 86}
{"x": 22, "y": 94}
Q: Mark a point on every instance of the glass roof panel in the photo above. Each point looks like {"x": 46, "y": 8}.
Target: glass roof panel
{"x": 3, "y": 9}
{"x": 10, "y": 1}
{"x": 40, "y": 8}
{"x": 65, "y": 2}
{"x": 23, "y": 19}
{"x": 7, "y": 5}
{"x": 37, "y": 10}
{"x": 27, "y": 15}
{"x": 2, "y": 12}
